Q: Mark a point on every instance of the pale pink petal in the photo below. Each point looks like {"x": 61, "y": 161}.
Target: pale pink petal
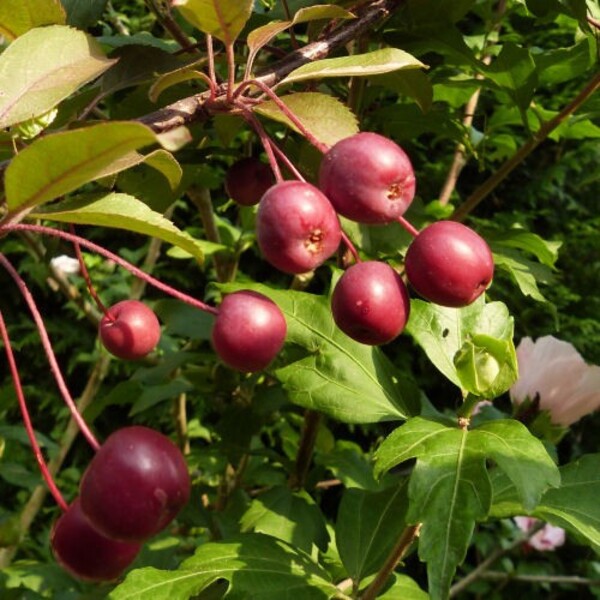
{"x": 548, "y": 538}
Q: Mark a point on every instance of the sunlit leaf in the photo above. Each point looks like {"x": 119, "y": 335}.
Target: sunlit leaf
{"x": 18, "y": 16}
{"x": 43, "y": 67}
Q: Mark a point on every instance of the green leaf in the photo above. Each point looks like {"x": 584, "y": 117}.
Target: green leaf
{"x": 255, "y": 565}
{"x": 62, "y": 162}
{"x": 326, "y": 117}
{"x": 514, "y": 71}
{"x": 173, "y": 78}
{"x": 404, "y": 588}
{"x": 121, "y": 211}
{"x": 349, "y": 464}
{"x": 321, "y": 11}
{"x": 223, "y": 19}
{"x": 564, "y": 64}
{"x": 525, "y": 273}
{"x": 289, "y": 516}
{"x": 43, "y": 67}
{"x": 18, "y": 17}
{"x": 545, "y": 251}
{"x": 357, "y": 65}
{"x": 342, "y": 378}
{"x": 450, "y": 489}
{"x": 442, "y": 332}
{"x": 573, "y": 505}
{"x": 367, "y": 527}
{"x": 83, "y": 13}
{"x": 411, "y": 83}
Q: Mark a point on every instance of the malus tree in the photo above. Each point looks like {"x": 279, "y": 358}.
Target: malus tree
{"x": 272, "y": 190}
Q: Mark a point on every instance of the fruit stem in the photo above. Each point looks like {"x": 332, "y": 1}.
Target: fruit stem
{"x": 210, "y": 53}
{"x": 47, "y": 345}
{"x": 264, "y": 138}
{"x": 88, "y": 281}
{"x": 348, "y": 243}
{"x": 229, "y": 49}
{"x": 58, "y": 497}
{"x": 408, "y": 227}
{"x": 43, "y": 230}
{"x": 323, "y": 148}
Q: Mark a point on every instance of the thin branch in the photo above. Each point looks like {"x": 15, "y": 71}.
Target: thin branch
{"x": 306, "y": 448}
{"x": 488, "y": 186}
{"x": 193, "y": 108}
{"x": 164, "y": 17}
{"x": 567, "y": 579}
{"x": 398, "y": 551}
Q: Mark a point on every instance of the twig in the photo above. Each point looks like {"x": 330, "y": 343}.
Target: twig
{"x": 395, "y": 556}
{"x": 488, "y": 186}
{"x": 310, "y": 429}
{"x": 491, "y": 559}
{"x": 568, "y": 579}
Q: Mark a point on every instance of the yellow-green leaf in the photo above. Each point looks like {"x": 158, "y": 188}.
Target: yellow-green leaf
{"x": 19, "y": 16}
{"x": 60, "y": 163}
{"x": 173, "y": 78}
{"x": 223, "y": 19}
{"x": 321, "y": 11}
{"x": 43, "y": 67}
{"x": 121, "y": 211}
{"x": 385, "y": 60}
{"x": 328, "y": 119}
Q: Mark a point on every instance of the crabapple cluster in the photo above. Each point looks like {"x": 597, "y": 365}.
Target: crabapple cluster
{"x": 369, "y": 179}
{"x": 132, "y": 489}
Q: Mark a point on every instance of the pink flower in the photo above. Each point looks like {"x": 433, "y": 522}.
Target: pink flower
{"x": 553, "y": 370}
{"x": 548, "y": 537}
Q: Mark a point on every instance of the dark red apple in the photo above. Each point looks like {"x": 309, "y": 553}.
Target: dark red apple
{"x": 247, "y": 180}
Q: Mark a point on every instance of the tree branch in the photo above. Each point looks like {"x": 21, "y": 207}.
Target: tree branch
{"x": 193, "y": 108}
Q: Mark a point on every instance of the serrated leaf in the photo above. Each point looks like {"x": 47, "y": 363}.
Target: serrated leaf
{"x": 546, "y": 251}
{"x": 342, "y": 378}
{"x": 326, "y": 117}
{"x": 255, "y": 565}
{"x": 367, "y": 527}
{"x": 223, "y": 19}
{"x": 573, "y": 505}
{"x": 60, "y": 163}
{"x": 442, "y": 332}
{"x": 385, "y": 60}
{"x": 450, "y": 489}
{"x": 43, "y": 67}
{"x": 121, "y": 211}
{"x": 525, "y": 273}
{"x": 18, "y": 17}
{"x": 289, "y": 516}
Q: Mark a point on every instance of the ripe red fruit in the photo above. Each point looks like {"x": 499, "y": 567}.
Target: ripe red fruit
{"x": 370, "y": 303}
{"x": 132, "y": 330}
{"x": 84, "y": 552}
{"x": 449, "y": 264}
{"x": 368, "y": 178}
{"x": 296, "y": 227}
{"x": 247, "y": 180}
{"x": 249, "y": 331}
{"x": 135, "y": 485}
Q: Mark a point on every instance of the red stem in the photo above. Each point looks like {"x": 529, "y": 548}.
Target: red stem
{"x": 323, "y": 148}
{"x": 47, "y": 345}
{"x": 348, "y": 242}
{"x": 58, "y": 497}
{"x": 264, "y": 138}
{"x": 88, "y": 280}
{"x": 408, "y": 227}
{"x": 43, "y": 230}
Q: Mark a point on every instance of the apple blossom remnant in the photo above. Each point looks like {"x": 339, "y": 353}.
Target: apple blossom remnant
{"x": 554, "y": 371}
{"x": 548, "y": 537}
{"x": 66, "y": 264}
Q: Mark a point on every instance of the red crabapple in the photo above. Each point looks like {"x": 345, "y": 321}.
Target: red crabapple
{"x": 449, "y": 264}
{"x": 131, "y": 331}
{"x": 247, "y": 180}
{"x": 370, "y": 303}
{"x": 368, "y": 178}
{"x": 249, "y": 331}
{"x": 296, "y": 227}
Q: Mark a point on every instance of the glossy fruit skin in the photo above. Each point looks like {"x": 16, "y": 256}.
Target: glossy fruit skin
{"x": 370, "y": 303}
{"x": 249, "y": 331}
{"x": 247, "y": 180}
{"x": 135, "y": 485}
{"x": 449, "y": 264}
{"x": 84, "y": 552}
{"x": 132, "y": 333}
{"x": 296, "y": 227}
{"x": 368, "y": 178}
